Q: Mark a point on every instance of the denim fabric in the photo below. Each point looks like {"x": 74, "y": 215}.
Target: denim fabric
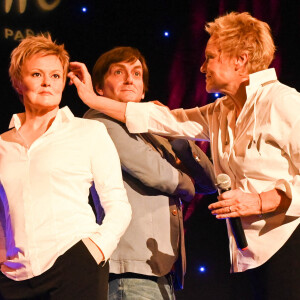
{"x": 141, "y": 289}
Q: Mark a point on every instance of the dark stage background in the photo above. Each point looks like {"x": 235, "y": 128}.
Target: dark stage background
{"x": 175, "y": 80}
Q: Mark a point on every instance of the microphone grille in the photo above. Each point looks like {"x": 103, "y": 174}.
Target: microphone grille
{"x": 223, "y": 181}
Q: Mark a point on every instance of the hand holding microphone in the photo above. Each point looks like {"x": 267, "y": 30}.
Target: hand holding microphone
{"x": 224, "y": 185}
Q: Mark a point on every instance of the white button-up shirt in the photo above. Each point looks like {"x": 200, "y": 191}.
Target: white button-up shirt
{"x": 44, "y": 192}
{"x": 259, "y": 150}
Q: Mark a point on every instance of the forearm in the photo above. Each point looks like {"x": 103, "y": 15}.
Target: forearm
{"x": 80, "y": 77}
{"x": 197, "y": 165}
{"x": 185, "y": 189}
{"x": 148, "y": 117}
{"x": 109, "y": 107}
{"x": 274, "y": 200}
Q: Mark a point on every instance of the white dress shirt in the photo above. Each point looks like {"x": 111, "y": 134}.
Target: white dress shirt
{"x": 44, "y": 193}
{"x": 259, "y": 150}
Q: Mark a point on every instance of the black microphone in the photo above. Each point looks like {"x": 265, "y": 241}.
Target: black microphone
{"x": 224, "y": 185}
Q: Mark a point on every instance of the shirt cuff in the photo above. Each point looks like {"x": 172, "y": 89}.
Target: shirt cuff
{"x": 292, "y": 192}
{"x": 107, "y": 246}
{"x": 137, "y": 116}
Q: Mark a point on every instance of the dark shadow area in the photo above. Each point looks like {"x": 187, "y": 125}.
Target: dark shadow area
{"x": 207, "y": 247}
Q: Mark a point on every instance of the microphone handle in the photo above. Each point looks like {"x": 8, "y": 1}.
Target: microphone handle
{"x": 238, "y": 233}
{"x": 236, "y": 228}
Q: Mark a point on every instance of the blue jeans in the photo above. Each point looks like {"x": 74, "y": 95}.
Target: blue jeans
{"x": 141, "y": 289}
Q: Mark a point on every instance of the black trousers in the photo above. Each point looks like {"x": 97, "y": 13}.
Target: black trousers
{"x": 75, "y": 275}
{"x": 277, "y": 279}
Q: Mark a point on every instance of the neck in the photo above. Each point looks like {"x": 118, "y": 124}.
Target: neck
{"x": 35, "y": 125}
{"x": 239, "y": 95}
{"x": 39, "y": 118}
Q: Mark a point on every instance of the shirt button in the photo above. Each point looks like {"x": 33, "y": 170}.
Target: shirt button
{"x": 174, "y": 212}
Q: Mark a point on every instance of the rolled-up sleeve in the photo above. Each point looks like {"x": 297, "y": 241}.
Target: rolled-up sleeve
{"x": 149, "y": 117}
{"x": 285, "y": 131}
{"x": 294, "y": 185}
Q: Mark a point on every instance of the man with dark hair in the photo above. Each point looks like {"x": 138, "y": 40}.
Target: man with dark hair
{"x": 142, "y": 267}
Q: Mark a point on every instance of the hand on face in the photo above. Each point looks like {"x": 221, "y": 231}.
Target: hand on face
{"x": 81, "y": 78}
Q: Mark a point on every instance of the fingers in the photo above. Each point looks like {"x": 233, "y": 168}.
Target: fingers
{"x": 80, "y": 71}
{"x": 223, "y": 209}
{"x": 74, "y": 79}
{"x": 226, "y": 212}
{"x": 220, "y": 204}
{"x": 235, "y": 203}
{"x": 227, "y": 206}
{"x": 75, "y": 65}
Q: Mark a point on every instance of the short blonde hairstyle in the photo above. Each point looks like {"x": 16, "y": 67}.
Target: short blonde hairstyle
{"x": 32, "y": 45}
{"x": 240, "y": 32}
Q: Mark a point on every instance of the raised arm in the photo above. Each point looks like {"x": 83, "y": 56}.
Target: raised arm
{"x": 81, "y": 78}
{"x": 141, "y": 117}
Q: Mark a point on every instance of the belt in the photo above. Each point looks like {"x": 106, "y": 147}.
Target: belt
{"x": 113, "y": 276}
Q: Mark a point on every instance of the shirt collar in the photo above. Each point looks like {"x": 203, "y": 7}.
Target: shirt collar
{"x": 258, "y": 79}
{"x": 63, "y": 115}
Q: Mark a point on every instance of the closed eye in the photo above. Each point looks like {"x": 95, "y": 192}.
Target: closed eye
{"x": 208, "y": 57}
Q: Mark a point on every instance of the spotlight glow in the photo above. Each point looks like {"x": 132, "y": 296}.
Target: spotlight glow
{"x": 166, "y": 33}
{"x": 217, "y": 95}
{"x": 84, "y": 9}
{"x": 202, "y": 269}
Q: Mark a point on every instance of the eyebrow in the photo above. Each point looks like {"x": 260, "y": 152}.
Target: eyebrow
{"x": 39, "y": 69}
{"x": 122, "y": 66}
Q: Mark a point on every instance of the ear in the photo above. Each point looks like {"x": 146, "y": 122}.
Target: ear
{"x": 241, "y": 61}
{"x": 99, "y": 91}
{"x": 143, "y": 96}
{"x": 18, "y": 89}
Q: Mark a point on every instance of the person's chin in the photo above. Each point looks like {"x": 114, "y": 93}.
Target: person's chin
{"x": 126, "y": 100}
{"x": 211, "y": 89}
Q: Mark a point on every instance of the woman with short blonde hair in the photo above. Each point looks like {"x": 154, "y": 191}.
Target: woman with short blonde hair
{"x": 52, "y": 247}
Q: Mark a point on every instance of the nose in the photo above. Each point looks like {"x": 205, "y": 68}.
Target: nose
{"x": 46, "y": 81}
{"x": 203, "y": 67}
{"x": 129, "y": 78}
